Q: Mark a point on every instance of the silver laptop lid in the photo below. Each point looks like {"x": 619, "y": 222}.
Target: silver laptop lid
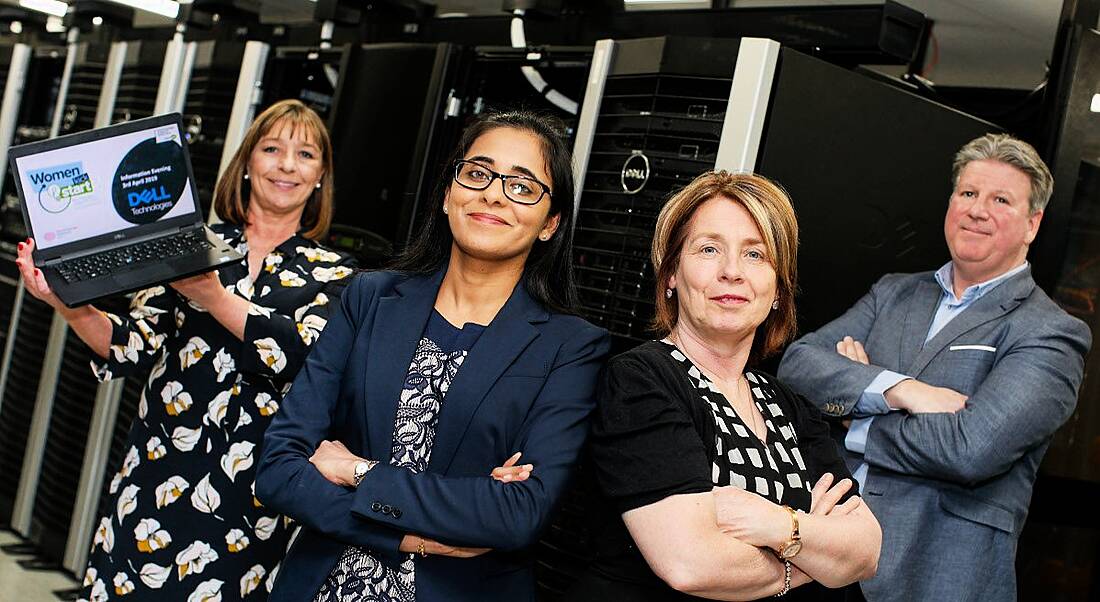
{"x": 106, "y": 186}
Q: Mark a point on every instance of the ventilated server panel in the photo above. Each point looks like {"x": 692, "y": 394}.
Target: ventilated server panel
{"x": 676, "y": 122}
{"x": 206, "y": 111}
{"x": 85, "y": 84}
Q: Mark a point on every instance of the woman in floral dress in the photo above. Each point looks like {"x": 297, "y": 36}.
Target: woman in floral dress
{"x": 221, "y": 350}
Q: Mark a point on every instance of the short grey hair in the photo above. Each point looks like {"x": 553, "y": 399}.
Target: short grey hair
{"x": 1014, "y": 152}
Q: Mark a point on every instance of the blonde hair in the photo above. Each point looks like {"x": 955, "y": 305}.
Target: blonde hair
{"x": 771, "y": 209}
{"x": 230, "y": 198}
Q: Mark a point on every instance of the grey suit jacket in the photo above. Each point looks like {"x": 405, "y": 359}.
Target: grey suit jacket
{"x": 951, "y": 491}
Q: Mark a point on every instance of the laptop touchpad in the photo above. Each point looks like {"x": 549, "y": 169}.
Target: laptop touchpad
{"x": 151, "y": 273}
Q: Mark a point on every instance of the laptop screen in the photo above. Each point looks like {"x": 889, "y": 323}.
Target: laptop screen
{"x": 106, "y": 185}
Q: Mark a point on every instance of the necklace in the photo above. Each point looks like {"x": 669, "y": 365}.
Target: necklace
{"x": 736, "y": 393}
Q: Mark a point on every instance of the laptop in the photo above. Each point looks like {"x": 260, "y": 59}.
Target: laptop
{"x": 113, "y": 210}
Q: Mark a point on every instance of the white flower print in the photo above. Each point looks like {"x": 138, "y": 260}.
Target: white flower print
{"x": 245, "y": 287}
{"x": 236, "y": 540}
{"x": 171, "y": 490}
{"x": 265, "y": 527}
{"x": 267, "y": 404}
{"x": 310, "y": 328}
{"x": 127, "y": 501}
{"x": 123, "y": 585}
{"x": 207, "y": 591}
{"x": 314, "y": 255}
{"x": 89, "y": 576}
{"x": 238, "y": 458}
{"x": 270, "y": 583}
{"x": 115, "y": 482}
{"x": 192, "y": 352}
{"x": 243, "y": 420}
{"x": 290, "y": 279}
{"x": 129, "y": 351}
{"x": 255, "y": 500}
{"x": 272, "y": 262}
{"x": 251, "y": 580}
{"x": 150, "y": 537}
{"x": 155, "y": 340}
{"x": 259, "y": 310}
{"x": 99, "y": 592}
{"x": 141, "y": 298}
{"x": 158, "y": 368}
{"x": 216, "y": 410}
{"x": 194, "y": 558}
{"x": 320, "y": 299}
{"x": 130, "y": 462}
{"x": 154, "y": 449}
{"x": 104, "y": 535}
{"x": 143, "y": 407}
{"x": 224, "y": 364}
{"x": 205, "y": 498}
{"x": 321, "y": 274}
{"x": 271, "y": 354}
{"x": 180, "y": 317}
{"x": 265, "y": 290}
{"x": 185, "y": 439}
{"x": 175, "y": 398}
{"x": 154, "y": 575}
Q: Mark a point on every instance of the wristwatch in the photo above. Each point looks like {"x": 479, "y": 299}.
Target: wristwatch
{"x": 793, "y": 546}
{"x": 361, "y": 470}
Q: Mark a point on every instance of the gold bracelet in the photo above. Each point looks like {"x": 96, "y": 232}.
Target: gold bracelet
{"x": 424, "y": 554}
{"x": 786, "y": 579}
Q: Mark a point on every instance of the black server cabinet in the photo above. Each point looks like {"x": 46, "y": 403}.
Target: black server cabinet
{"x": 85, "y": 84}
{"x": 206, "y": 110}
{"x": 33, "y": 123}
{"x": 137, "y": 86}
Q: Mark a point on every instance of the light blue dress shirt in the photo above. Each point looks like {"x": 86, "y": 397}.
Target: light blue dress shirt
{"x": 872, "y": 401}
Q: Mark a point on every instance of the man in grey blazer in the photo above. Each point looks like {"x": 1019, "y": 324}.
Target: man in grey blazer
{"x": 955, "y": 381}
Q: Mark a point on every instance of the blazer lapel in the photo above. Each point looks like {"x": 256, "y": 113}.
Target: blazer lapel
{"x": 922, "y": 308}
{"x": 398, "y": 324}
{"x": 996, "y": 303}
{"x": 507, "y": 336}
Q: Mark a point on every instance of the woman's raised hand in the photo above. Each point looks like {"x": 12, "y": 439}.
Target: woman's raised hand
{"x": 33, "y": 278}
{"x": 510, "y": 472}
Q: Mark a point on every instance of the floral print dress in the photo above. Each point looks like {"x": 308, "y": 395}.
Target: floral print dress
{"x": 183, "y": 522}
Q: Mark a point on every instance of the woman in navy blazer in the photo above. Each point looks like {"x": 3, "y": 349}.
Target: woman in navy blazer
{"x": 428, "y": 377}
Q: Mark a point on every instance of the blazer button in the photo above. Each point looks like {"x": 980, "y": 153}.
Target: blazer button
{"x": 387, "y": 509}
{"x": 397, "y": 513}
{"x": 376, "y": 507}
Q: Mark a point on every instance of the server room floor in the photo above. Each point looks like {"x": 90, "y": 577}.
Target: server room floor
{"x": 20, "y": 585}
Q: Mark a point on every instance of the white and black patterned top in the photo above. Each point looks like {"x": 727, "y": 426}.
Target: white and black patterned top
{"x": 358, "y": 575}
{"x": 772, "y": 468}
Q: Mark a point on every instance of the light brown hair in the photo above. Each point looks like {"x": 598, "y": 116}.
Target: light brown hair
{"x": 771, "y": 209}
{"x": 231, "y": 194}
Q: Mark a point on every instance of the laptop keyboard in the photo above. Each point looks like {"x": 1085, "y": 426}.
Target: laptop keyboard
{"x": 157, "y": 250}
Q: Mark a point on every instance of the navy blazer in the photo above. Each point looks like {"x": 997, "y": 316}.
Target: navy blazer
{"x": 527, "y": 385}
{"x": 951, "y": 491}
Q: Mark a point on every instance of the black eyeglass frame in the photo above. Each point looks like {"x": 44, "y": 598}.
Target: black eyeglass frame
{"x": 503, "y": 182}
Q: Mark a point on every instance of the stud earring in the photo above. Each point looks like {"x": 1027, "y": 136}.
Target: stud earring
{"x": 668, "y": 293}
{"x": 246, "y": 176}
{"x": 775, "y": 304}
{"x": 544, "y": 237}
{"x": 444, "y": 209}
{"x": 318, "y": 186}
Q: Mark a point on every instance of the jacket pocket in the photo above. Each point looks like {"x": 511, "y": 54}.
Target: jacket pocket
{"x": 978, "y": 511}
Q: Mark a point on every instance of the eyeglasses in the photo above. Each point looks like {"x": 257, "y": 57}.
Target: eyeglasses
{"x": 518, "y": 189}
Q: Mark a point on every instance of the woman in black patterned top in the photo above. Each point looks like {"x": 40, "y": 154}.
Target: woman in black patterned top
{"x": 220, "y": 350}
{"x": 721, "y": 483}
